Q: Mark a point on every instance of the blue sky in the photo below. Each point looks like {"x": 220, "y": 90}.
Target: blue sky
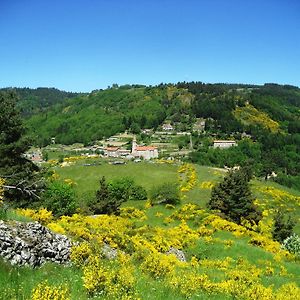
{"x": 81, "y": 45}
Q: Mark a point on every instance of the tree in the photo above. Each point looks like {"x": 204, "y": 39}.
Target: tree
{"x": 21, "y": 175}
{"x": 105, "y": 202}
{"x": 165, "y": 193}
{"x": 233, "y": 198}
{"x": 59, "y": 197}
{"x": 125, "y": 189}
{"x": 111, "y": 195}
{"x": 283, "y": 227}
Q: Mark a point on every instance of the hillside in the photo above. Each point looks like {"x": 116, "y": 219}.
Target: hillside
{"x": 35, "y": 101}
{"x": 106, "y": 112}
{"x": 268, "y": 115}
{"x": 212, "y": 258}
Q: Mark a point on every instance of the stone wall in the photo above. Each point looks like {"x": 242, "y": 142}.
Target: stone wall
{"x": 32, "y": 244}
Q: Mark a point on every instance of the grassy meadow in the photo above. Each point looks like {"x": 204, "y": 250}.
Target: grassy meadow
{"x": 224, "y": 260}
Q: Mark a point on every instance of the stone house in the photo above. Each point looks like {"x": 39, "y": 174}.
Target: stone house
{"x": 145, "y": 152}
{"x": 224, "y": 144}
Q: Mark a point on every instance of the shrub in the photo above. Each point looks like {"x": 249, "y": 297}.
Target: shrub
{"x": 283, "y": 228}
{"x": 111, "y": 195}
{"x": 59, "y": 197}
{"x": 292, "y": 244}
{"x": 167, "y": 193}
{"x": 105, "y": 202}
{"x": 125, "y": 189}
{"x": 44, "y": 291}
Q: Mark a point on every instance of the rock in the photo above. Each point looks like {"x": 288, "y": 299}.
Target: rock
{"x": 25, "y": 254}
{"x": 32, "y": 244}
{"x": 178, "y": 253}
{"x": 109, "y": 252}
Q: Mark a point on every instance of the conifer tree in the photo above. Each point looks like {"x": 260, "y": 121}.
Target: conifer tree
{"x": 233, "y": 198}
{"x": 18, "y": 172}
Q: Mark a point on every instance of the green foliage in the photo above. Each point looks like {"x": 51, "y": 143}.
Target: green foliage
{"x": 3, "y": 212}
{"x": 125, "y": 189}
{"x": 283, "y": 227}
{"x": 292, "y": 244}
{"x": 229, "y": 110}
{"x": 167, "y": 193}
{"x": 105, "y": 202}
{"x": 33, "y": 101}
{"x": 233, "y": 198}
{"x": 111, "y": 195}
{"x": 59, "y": 197}
{"x": 17, "y": 170}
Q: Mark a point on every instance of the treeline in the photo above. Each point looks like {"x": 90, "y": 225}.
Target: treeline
{"x": 34, "y": 101}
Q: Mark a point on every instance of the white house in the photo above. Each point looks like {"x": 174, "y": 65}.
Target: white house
{"x": 167, "y": 127}
{"x": 146, "y": 152}
{"x": 224, "y": 144}
{"x": 111, "y": 151}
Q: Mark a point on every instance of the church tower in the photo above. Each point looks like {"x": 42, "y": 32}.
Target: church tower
{"x": 133, "y": 149}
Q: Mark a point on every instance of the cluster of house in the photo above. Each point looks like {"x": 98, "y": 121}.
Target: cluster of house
{"x": 144, "y": 152}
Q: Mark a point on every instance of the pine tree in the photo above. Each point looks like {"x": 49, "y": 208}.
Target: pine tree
{"x": 105, "y": 201}
{"x": 18, "y": 172}
{"x": 233, "y": 198}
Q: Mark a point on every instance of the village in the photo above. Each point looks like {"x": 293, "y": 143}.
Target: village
{"x": 122, "y": 147}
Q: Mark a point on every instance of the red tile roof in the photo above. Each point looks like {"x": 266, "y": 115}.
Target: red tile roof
{"x": 112, "y": 148}
{"x": 145, "y": 148}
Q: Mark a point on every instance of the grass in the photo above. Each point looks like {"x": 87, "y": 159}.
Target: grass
{"x": 144, "y": 173}
{"x": 18, "y": 282}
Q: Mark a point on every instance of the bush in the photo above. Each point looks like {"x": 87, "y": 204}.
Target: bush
{"x": 59, "y": 197}
{"x": 105, "y": 202}
{"x": 283, "y": 228}
{"x": 167, "y": 193}
{"x": 292, "y": 244}
{"x": 125, "y": 189}
{"x": 111, "y": 195}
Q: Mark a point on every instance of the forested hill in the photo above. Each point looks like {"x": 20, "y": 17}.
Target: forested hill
{"x": 34, "y": 101}
{"x": 229, "y": 108}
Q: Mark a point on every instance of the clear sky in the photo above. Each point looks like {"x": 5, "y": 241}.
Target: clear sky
{"x": 81, "y": 45}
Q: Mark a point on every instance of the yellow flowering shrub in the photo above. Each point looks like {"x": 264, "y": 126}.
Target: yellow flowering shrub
{"x": 188, "y": 283}
{"x": 188, "y": 211}
{"x": 187, "y": 177}
{"x": 288, "y": 291}
{"x": 44, "y": 291}
{"x": 56, "y": 228}
{"x": 279, "y": 198}
{"x": 133, "y": 213}
{"x": 80, "y": 253}
{"x": 159, "y": 265}
{"x": 113, "y": 279}
{"x": 207, "y": 185}
{"x": 250, "y": 115}
{"x": 42, "y": 215}
{"x": 2, "y": 182}
{"x": 112, "y": 230}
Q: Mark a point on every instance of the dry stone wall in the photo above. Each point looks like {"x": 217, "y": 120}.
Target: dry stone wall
{"x": 32, "y": 244}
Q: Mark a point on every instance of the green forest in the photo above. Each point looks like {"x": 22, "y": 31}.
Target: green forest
{"x": 268, "y": 115}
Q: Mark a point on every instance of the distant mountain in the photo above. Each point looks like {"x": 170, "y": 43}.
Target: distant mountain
{"x": 34, "y": 101}
{"x": 73, "y": 117}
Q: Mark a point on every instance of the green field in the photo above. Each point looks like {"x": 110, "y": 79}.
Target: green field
{"x": 148, "y": 175}
{"x": 144, "y": 173}
{"x": 17, "y": 283}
